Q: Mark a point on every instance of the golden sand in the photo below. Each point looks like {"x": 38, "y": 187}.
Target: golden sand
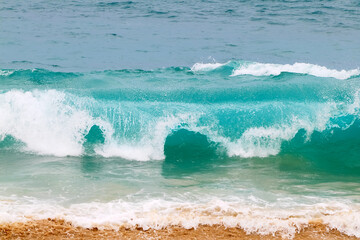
{"x": 59, "y": 229}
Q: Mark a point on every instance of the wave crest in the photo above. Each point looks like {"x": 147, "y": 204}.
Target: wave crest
{"x": 206, "y": 66}
{"x": 267, "y": 69}
{"x": 45, "y": 122}
{"x": 270, "y": 69}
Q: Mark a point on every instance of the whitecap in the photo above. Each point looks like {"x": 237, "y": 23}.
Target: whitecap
{"x": 267, "y": 69}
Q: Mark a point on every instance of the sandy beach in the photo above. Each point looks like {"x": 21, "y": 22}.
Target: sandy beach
{"x": 59, "y": 229}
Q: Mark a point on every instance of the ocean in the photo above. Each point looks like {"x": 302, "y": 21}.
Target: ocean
{"x": 181, "y": 113}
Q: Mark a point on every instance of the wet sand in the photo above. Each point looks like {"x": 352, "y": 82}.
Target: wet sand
{"x": 59, "y": 229}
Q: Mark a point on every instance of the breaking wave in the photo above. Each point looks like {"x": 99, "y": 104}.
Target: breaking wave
{"x": 112, "y": 115}
{"x": 57, "y": 123}
{"x": 269, "y": 69}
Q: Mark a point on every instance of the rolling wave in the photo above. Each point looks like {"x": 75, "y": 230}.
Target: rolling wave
{"x": 133, "y": 113}
{"x": 261, "y": 69}
{"x": 52, "y": 122}
{"x": 269, "y": 69}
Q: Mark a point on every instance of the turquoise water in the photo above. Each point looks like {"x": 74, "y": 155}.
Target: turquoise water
{"x": 132, "y": 113}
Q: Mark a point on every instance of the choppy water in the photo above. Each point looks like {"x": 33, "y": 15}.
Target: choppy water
{"x": 117, "y": 113}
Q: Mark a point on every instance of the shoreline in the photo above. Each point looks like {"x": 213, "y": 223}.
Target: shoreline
{"x": 60, "y": 229}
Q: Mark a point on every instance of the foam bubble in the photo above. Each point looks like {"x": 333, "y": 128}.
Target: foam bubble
{"x": 267, "y": 69}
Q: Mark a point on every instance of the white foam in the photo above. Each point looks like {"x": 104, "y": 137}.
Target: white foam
{"x": 159, "y": 214}
{"x": 267, "y": 141}
{"x": 267, "y": 69}
{"x": 206, "y": 66}
{"x": 151, "y": 146}
{"x": 6, "y": 72}
{"x": 55, "y": 123}
{"x": 44, "y": 122}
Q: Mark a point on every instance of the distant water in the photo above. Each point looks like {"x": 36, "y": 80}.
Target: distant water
{"x": 103, "y": 35}
{"x": 242, "y": 113}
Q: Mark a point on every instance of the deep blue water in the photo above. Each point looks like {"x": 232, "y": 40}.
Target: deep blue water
{"x": 242, "y": 113}
{"x": 102, "y": 35}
